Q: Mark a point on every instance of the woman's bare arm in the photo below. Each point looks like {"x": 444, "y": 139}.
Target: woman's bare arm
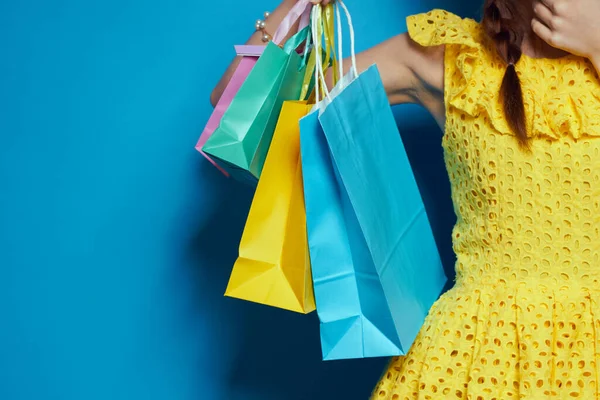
{"x": 410, "y": 72}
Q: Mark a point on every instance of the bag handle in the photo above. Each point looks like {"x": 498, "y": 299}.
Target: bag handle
{"x": 296, "y": 41}
{"x": 320, "y": 72}
{"x": 298, "y": 11}
{"x": 341, "y": 4}
{"x": 326, "y": 30}
{"x": 316, "y": 32}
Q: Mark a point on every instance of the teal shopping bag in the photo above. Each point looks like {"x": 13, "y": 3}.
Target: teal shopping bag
{"x": 241, "y": 142}
{"x": 376, "y": 268}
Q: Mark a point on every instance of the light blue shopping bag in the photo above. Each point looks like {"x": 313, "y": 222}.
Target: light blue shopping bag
{"x": 375, "y": 173}
{"x": 355, "y": 317}
{"x": 376, "y": 267}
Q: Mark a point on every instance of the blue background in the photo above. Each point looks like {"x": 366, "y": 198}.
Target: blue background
{"x": 117, "y": 238}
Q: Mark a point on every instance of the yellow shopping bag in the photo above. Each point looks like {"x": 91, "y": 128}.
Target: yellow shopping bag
{"x": 273, "y": 267}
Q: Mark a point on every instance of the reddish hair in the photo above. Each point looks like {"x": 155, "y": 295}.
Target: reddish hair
{"x": 505, "y": 24}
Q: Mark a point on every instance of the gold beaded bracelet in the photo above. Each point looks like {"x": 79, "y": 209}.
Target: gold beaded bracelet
{"x": 260, "y": 27}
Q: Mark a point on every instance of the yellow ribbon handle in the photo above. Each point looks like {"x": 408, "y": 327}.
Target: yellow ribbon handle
{"x": 325, "y": 24}
{"x": 330, "y": 40}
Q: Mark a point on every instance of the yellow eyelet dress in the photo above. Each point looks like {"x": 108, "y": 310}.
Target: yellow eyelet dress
{"x": 522, "y": 321}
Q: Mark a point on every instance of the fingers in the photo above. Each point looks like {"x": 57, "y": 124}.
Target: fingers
{"x": 558, "y": 7}
{"x": 322, "y": 2}
{"x": 548, "y": 20}
{"x": 544, "y": 14}
{"x": 548, "y": 3}
{"x": 545, "y": 33}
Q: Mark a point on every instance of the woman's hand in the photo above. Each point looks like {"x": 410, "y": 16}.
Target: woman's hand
{"x": 570, "y": 25}
{"x": 321, "y": 2}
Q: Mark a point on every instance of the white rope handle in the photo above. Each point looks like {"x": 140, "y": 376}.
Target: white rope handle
{"x": 340, "y": 49}
{"x": 316, "y": 23}
{"x": 340, "y": 3}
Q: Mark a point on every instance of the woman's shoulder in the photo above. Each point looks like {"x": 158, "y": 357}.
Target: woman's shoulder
{"x": 439, "y": 27}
